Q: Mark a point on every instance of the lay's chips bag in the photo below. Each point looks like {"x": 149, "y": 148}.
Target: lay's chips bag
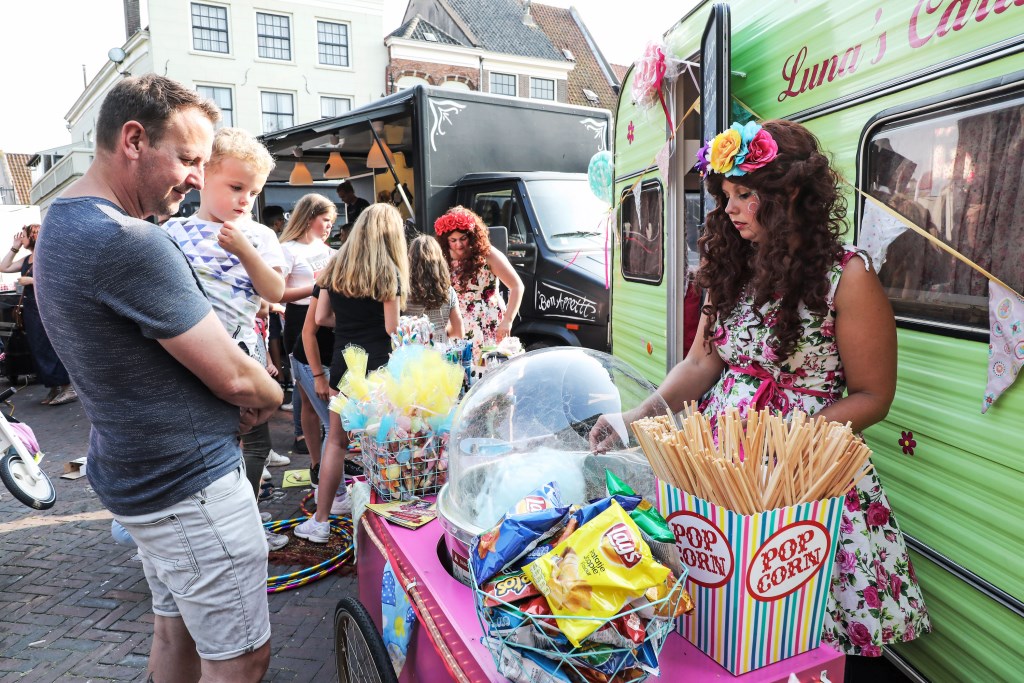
{"x": 595, "y": 571}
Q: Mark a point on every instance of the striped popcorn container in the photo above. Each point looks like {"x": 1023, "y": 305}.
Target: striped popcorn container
{"x": 760, "y": 582}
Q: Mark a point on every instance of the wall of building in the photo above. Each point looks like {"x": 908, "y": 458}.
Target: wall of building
{"x": 247, "y": 74}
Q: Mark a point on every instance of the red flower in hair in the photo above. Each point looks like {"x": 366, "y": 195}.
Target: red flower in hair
{"x": 457, "y": 220}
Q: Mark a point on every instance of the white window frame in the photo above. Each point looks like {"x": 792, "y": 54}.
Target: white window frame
{"x": 347, "y": 45}
{"x": 334, "y": 98}
{"x": 263, "y": 111}
{"x": 554, "y": 89}
{"x": 223, "y": 123}
{"x": 515, "y": 83}
{"x": 291, "y": 42}
{"x": 192, "y": 28}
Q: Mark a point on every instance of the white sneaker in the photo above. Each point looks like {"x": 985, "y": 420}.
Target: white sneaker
{"x": 314, "y": 531}
{"x": 275, "y": 459}
{"x": 266, "y": 517}
{"x": 286, "y": 407}
{"x": 275, "y": 541}
{"x": 266, "y": 474}
{"x": 341, "y": 505}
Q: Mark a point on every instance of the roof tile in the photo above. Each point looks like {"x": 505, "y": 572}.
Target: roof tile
{"x": 498, "y": 24}
{"x": 563, "y": 31}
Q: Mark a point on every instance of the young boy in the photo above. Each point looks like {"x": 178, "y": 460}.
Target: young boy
{"x": 238, "y": 261}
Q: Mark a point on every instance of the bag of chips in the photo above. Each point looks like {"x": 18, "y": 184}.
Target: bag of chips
{"x": 595, "y": 571}
{"x": 644, "y": 514}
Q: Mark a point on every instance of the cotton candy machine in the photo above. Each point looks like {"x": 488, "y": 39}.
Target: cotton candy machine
{"x": 530, "y": 422}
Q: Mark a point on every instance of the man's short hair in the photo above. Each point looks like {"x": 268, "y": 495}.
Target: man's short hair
{"x": 345, "y": 186}
{"x": 150, "y": 100}
{"x": 235, "y": 143}
{"x": 271, "y": 213}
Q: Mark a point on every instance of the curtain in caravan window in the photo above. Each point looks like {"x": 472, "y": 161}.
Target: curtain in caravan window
{"x": 959, "y": 176}
{"x": 641, "y": 235}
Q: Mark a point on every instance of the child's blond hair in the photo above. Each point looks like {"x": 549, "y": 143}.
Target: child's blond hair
{"x": 235, "y": 143}
{"x": 374, "y": 260}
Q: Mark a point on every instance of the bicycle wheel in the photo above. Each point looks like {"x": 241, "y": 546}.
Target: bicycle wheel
{"x": 358, "y": 649}
{"x": 38, "y": 494}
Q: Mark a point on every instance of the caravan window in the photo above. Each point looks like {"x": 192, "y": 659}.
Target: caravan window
{"x": 641, "y": 235}
{"x": 957, "y": 173}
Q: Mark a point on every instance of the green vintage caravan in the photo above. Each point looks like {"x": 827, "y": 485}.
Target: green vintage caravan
{"x": 922, "y": 104}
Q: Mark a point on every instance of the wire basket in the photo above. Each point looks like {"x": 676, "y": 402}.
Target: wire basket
{"x": 523, "y": 644}
{"x": 405, "y": 469}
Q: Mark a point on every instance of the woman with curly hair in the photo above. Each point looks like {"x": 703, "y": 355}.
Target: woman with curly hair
{"x": 476, "y": 269}
{"x": 795, "y": 320}
{"x": 430, "y": 289}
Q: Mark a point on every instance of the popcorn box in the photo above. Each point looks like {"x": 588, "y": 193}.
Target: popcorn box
{"x": 760, "y": 582}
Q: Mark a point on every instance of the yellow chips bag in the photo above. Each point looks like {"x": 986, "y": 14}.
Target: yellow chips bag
{"x": 595, "y": 571}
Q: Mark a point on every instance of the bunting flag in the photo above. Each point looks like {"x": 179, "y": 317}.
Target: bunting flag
{"x": 662, "y": 159}
{"x": 1006, "y": 341}
{"x": 877, "y": 231}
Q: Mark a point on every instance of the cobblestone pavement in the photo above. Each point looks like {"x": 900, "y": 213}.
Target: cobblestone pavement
{"x": 74, "y": 606}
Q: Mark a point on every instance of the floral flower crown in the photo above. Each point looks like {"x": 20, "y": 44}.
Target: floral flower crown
{"x": 462, "y": 221}
{"x": 737, "y": 151}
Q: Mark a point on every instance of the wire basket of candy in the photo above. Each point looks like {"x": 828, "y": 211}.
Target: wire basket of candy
{"x": 577, "y": 593}
{"x": 404, "y": 469}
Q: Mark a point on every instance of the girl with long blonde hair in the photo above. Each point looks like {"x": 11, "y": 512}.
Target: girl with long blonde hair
{"x": 362, "y": 293}
{"x": 306, "y": 255}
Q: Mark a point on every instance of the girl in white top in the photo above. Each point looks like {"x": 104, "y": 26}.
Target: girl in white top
{"x": 305, "y": 254}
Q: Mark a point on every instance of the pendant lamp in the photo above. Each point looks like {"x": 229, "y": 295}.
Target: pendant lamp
{"x": 375, "y": 159}
{"x": 336, "y": 167}
{"x": 300, "y": 174}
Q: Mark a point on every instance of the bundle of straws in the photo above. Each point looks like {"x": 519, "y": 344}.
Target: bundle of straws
{"x": 761, "y": 463}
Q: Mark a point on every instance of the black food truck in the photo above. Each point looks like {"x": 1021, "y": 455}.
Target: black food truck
{"x": 520, "y": 164}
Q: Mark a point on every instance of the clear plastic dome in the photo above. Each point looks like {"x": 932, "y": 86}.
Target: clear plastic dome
{"x": 532, "y": 421}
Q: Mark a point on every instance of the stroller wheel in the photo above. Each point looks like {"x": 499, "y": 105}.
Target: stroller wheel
{"x": 36, "y": 493}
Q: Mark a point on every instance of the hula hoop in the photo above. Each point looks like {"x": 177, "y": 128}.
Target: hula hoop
{"x": 339, "y": 525}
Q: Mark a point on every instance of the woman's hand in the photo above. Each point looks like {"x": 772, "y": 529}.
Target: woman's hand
{"x": 608, "y": 433}
{"x": 322, "y": 386}
{"x": 503, "y": 330}
{"x": 25, "y": 280}
{"x": 19, "y": 240}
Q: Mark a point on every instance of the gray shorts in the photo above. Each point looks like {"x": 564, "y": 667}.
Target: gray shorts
{"x": 205, "y": 559}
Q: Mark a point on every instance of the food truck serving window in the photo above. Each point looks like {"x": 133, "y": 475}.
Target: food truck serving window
{"x": 641, "y": 234}
{"x": 957, "y": 173}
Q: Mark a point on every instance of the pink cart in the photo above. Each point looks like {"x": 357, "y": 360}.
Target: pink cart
{"x": 446, "y": 644}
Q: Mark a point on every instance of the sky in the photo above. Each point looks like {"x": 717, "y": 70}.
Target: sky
{"x": 47, "y": 42}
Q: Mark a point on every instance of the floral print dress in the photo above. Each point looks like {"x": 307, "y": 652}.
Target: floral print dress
{"x": 875, "y": 596}
{"x": 481, "y": 304}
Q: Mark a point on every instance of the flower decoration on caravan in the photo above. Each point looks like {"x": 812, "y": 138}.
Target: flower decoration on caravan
{"x": 648, "y": 74}
{"x": 743, "y": 148}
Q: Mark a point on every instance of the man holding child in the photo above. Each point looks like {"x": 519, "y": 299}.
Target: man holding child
{"x": 162, "y": 382}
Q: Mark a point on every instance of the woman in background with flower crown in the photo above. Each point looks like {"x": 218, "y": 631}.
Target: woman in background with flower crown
{"x": 793, "y": 321}
{"x": 476, "y": 270}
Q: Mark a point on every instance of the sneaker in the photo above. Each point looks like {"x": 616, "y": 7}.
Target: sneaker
{"x": 275, "y": 459}
{"x": 287, "y": 406}
{"x": 314, "y": 531}
{"x": 300, "y": 447}
{"x": 266, "y": 474}
{"x": 275, "y": 541}
{"x": 66, "y": 396}
{"x": 342, "y": 505}
{"x": 353, "y": 468}
{"x": 266, "y": 517}
{"x": 314, "y": 476}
